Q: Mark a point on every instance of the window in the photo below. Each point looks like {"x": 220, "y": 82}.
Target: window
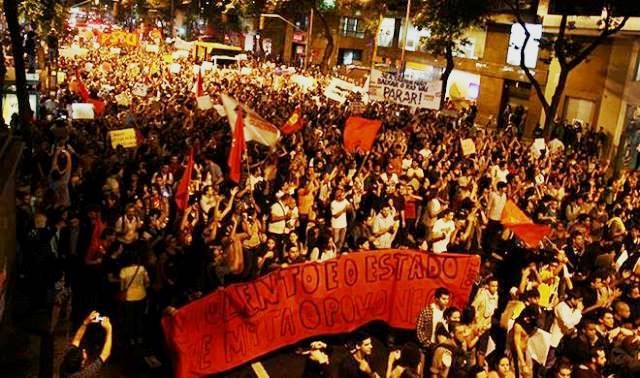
{"x": 349, "y": 56}
{"x": 577, "y": 109}
{"x": 351, "y": 27}
{"x": 387, "y": 29}
{"x": 637, "y": 77}
{"x": 516, "y": 41}
{"x": 414, "y": 37}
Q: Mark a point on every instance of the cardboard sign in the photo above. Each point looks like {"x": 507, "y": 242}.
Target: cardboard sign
{"x": 204, "y": 102}
{"x": 82, "y": 111}
{"x": 304, "y": 82}
{"x": 167, "y": 58}
{"x": 125, "y": 138}
{"x": 118, "y": 38}
{"x": 175, "y": 68}
{"x": 243, "y": 321}
{"x": 246, "y": 71}
{"x": 388, "y": 87}
{"x": 115, "y": 50}
{"x": 123, "y": 99}
{"x": 152, "y": 48}
{"x": 140, "y": 90}
{"x": 468, "y": 146}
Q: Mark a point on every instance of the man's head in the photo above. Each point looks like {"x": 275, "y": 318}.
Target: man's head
{"x": 563, "y": 370}
{"x": 73, "y": 361}
{"x": 501, "y": 186}
{"x": 453, "y": 315}
{"x": 442, "y": 297}
{"x": 606, "y": 319}
{"x": 460, "y": 332}
{"x": 363, "y": 344}
{"x": 492, "y": 286}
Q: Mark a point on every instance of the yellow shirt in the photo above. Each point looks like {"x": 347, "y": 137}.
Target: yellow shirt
{"x": 137, "y": 284}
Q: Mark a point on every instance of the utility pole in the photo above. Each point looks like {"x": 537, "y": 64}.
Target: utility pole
{"x": 407, "y": 22}
{"x": 307, "y": 51}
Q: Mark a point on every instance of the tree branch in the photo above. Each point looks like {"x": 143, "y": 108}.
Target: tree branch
{"x": 604, "y": 35}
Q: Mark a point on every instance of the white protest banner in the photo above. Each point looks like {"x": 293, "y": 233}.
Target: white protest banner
{"x": 304, "y": 82}
{"x": 539, "y": 144}
{"x": 115, "y": 50}
{"x": 175, "y": 68}
{"x": 246, "y": 71}
{"x": 181, "y": 44}
{"x": 420, "y": 94}
{"x": 139, "y": 90}
{"x": 72, "y": 52}
{"x": 338, "y": 90}
{"x": 152, "y": 48}
{"x": 220, "y": 110}
{"x": 180, "y": 54}
{"x": 468, "y": 146}
{"x": 206, "y": 66}
{"x": 125, "y": 138}
{"x": 82, "y": 111}
{"x": 204, "y": 102}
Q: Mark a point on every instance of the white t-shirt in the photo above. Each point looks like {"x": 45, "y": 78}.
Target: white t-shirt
{"x": 496, "y": 205}
{"x": 382, "y": 223}
{"x": 336, "y": 207}
{"x": 278, "y": 209}
{"x": 442, "y": 226}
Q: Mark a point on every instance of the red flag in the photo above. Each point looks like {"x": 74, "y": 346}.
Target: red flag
{"x": 82, "y": 89}
{"x": 237, "y": 148}
{"x": 522, "y": 226}
{"x": 182, "y": 192}
{"x": 198, "y": 87}
{"x": 294, "y": 123}
{"x": 360, "y": 133}
{"x": 98, "y": 106}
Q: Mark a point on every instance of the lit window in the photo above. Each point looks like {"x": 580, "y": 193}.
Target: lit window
{"x": 351, "y": 27}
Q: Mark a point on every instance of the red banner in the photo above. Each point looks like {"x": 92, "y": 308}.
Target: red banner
{"x": 241, "y": 322}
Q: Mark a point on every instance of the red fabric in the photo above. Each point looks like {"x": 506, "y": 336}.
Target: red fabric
{"x": 98, "y": 106}
{"x": 244, "y": 321}
{"x": 360, "y": 133}
{"x": 238, "y": 146}
{"x": 182, "y": 192}
{"x": 522, "y": 226}
{"x": 198, "y": 88}
{"x": 83, "y": 92}
{"x": 530, "y": 234}
{"x": 294, "y": 123}
{"x": 94, "y": 244}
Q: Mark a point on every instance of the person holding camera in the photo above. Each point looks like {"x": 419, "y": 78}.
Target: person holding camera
{"x": 75, "y": 363}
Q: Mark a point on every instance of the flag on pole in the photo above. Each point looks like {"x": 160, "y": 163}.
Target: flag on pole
{"x": 360, "y": 133}
{"x": 198, "y": 88}
{"x": 294, "y": 123}
{"x": 256, "y": 128}
{"x": 238, "y": 146}
{"x": 182, "y": 192}
{"x": 522, "y": 226}
{"x": 83, "y": 92}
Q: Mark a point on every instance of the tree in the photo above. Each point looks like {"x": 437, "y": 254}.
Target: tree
{"x": 447, "y": 21}
{"x": 11, "y": 14}
{"x": 567, "y": 48}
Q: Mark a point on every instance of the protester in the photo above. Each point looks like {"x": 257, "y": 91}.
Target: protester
{"x": 75, "y": 363}
{"x": 86, "y": 206}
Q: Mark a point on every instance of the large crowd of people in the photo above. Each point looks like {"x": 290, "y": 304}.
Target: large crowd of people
{"x": 98, "y": 226}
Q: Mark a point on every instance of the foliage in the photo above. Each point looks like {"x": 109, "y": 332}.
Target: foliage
{"x": 447, "y": 21}
{"x": 569, "y": 49}
{"x": 31, "y": 10}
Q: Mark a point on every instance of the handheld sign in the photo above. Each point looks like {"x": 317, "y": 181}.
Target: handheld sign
{"x": 125, "y": 138}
